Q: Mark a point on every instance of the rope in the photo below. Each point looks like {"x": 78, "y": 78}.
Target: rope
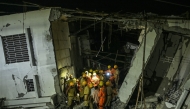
{"x": 141, "y": 78}
{"x": 139, "y": 90}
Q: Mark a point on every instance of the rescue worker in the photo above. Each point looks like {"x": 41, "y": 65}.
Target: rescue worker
{"x": 90, "y": 76}
{"x": 95, "y": 97}
{"x": 109, "y": 93}
{"x": 80, "y": 86}
{"x": 109, "y": 67}
{"x": 77, "y": 90}
{"x": 90, "y": 71}
{"x": 101, "y": 75}
{"x": 86, "y": 94}
{"x": 116, "y": 75}
{"x": 81, "y": 89}
{"x": 97, "y": 71}
{"x": 71, "y": 93}
{"x": 95, "y": 79}
{"x": 71, "y": 79}
{"x": 90, "y": 96}
{"x": 108, "y": 73}
{"x": 102, "y": 95}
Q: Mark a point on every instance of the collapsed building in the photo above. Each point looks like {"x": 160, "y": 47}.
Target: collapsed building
{"x": 38, "y": 48}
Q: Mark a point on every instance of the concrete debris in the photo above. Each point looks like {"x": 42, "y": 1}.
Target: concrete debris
{"x": 117, "y": 104}
{"x": 173, "y": 95}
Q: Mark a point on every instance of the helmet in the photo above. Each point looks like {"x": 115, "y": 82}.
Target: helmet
{"x": 86, "y": 71}
{"x": 96, "y": 70}
{"x": 71, "y": 84}
{"x": 107, "y": 83}
{"x": 94, "y": 73}
{"x": 90, "y": 70}
{"x": 84, "y": 83}
{"x": 75, "y": 80}
{"x": 109, "y": 66}
{"x": 90, "y": 85}
{"x": 115, "y": 66}
{"x": 83, "y": 74}
{"x": 101, "y": 83}
{"x": 101, "y": 78}
{"x": 71, "y": 76}
{"x": 101, "y": 71}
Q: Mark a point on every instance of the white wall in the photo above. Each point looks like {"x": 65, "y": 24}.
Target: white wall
{"x": 131, "y": 79}
{"x": 44, "y": 54}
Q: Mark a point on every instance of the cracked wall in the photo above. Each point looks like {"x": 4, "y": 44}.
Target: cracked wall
{"x": 131, "y": 79}
{"x": 62, "y": 48}
{"x": 13, "y": 76}
{"x": 159, "y": 62}
{"x": 179, "y": 27}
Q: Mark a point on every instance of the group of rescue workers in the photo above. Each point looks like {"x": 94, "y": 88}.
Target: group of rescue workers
{"x": 94, "y": 89}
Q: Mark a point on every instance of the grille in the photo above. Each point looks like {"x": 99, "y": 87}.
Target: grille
{"x": 30, "y": 85}
{"x": 15, "y": 48}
